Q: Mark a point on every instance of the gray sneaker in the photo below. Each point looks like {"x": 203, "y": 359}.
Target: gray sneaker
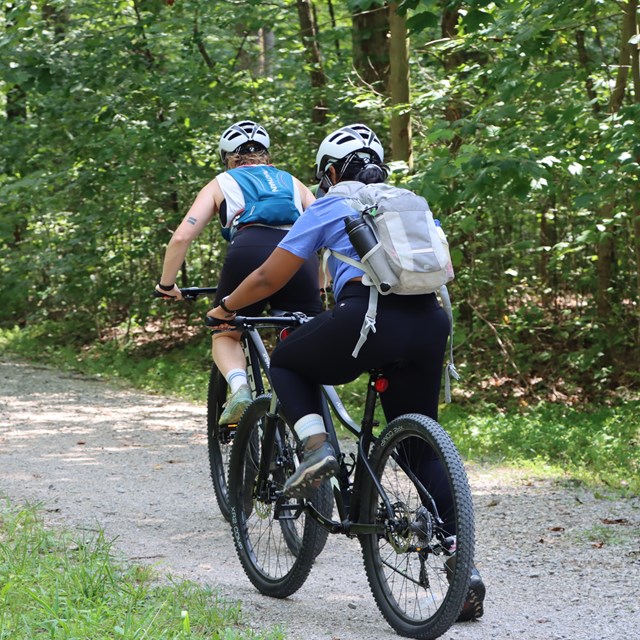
{"x": 236, "y": 405}
{"x": 317, "y": 465}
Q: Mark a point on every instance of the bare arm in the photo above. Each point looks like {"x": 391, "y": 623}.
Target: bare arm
{"x": 305, "y": 194}
{"x": 204, "y": 207}
{"x": 268, "y": 278}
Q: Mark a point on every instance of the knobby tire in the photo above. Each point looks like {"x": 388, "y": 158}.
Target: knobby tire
{"x": 219, "y": 440}
{"x": 276, "y": 554}
{"x": 419, "y": 595}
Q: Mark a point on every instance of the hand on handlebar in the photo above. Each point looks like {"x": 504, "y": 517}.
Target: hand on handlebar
{"x": 218, "y": 318}
{"x": 174, "y": 293}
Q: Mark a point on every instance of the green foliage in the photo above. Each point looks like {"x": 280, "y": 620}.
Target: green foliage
{"x": 597, "y": 444}
{"x": 531, "y": 175}
{"x": 57, "y": 585}
{"x": 110, "y": 114}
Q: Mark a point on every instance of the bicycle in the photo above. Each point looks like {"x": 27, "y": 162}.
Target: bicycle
{"x": 418, "y": 560}
{"x": 220, "y": 437}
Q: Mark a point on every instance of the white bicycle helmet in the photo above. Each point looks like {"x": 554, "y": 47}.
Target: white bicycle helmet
{"x": 240, "y": 133}
{"x": 345, "y": 141}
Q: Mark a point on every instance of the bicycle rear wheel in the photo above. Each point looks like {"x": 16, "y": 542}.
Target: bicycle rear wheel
{"x": 419, "y": 569}
{"x": 276, "y": 546}
{"x": 219, "y": 440}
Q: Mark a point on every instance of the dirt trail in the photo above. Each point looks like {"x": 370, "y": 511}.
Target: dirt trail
{"x": 559, "y": 563}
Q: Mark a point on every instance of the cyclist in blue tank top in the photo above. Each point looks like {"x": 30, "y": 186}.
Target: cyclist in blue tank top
{"x": 256, "y": 204}
{"x": 408, "y": 343}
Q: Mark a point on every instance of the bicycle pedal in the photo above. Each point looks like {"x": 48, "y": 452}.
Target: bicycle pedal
{"x": 287, "y": 510}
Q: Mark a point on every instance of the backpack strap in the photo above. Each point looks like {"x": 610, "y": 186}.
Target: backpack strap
{"x": 450, "y": 371}
{"x": 325, "y": 275}
{"x": 369, "y": 322}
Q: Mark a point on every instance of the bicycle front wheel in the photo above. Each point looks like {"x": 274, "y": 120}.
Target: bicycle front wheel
{"x": 419, "y": 569}
{"x": 276, "y": 545}
{"x": 219, "y": 440}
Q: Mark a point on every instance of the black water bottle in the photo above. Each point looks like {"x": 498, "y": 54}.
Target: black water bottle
{"x": 371, "y": 252}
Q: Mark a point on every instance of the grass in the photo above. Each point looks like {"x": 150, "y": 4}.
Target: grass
{"x": 593, "y": 444}
{"x": 56, "y": 585}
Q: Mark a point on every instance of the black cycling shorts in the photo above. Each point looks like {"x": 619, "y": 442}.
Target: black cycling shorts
{"x": 248, "y": 250}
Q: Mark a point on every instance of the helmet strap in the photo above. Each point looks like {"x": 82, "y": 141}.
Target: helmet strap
{"x": 325, "y": 184}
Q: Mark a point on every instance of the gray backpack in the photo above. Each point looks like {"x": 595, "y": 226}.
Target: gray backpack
{"x": 402, "y": 249}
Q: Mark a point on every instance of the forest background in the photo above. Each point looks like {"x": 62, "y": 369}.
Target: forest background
{"x": 518, "y": 120}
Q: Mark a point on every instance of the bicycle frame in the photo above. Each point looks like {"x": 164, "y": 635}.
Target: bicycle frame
{"x": 346, "y": 493}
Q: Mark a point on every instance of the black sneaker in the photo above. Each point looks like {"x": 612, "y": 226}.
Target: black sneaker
{"x": 317, "y": 465}
{"x": 472, "y": 608}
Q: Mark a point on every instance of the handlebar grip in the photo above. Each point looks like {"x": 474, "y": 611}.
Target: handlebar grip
{"x": 214, "y": 322}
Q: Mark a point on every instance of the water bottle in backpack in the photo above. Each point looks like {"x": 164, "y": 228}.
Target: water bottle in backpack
{"x": 371, "y": 252}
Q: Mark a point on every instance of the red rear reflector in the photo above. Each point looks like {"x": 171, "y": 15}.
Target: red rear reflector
{"x": 285, "y": 333}
{"x": 381, "y": 385}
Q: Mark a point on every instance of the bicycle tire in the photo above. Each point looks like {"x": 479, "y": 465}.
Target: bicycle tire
{"x": 276, "y": 561}
{"x": 219, "y": 440}
{"x": 323, "y": 501}
{"x": 418, "y": 594}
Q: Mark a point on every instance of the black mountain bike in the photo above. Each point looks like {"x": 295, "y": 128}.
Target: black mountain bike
{"x": 417, "y": 555}
{"x": 220, "y": 437}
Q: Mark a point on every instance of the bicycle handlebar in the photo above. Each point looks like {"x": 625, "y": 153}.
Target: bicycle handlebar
{"x": 286, "y": 319}
{"x": 189, "y": 293}
{"x": 295, "y": 318}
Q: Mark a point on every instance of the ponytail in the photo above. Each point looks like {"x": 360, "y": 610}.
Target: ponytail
{"x": 372, "y": 174}
{"x": 367, "y": 170}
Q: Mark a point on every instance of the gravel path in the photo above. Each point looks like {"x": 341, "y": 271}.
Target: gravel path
{"x": 559, "y": 562}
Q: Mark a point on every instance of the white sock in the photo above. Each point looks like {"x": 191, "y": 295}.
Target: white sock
{"x": 309, "y": 425}
{"x": 236, "y": 378}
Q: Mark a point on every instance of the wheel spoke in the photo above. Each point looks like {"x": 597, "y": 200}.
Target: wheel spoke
{"x": 276, "y": 554}
{"x": 424, "y": 481}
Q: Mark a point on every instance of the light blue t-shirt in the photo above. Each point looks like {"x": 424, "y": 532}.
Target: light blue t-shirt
{"x": 320, "y": 226}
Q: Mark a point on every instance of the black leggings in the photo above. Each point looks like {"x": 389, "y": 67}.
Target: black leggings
{"x": 409, "y": 345}
{"x": 250, "y": 247}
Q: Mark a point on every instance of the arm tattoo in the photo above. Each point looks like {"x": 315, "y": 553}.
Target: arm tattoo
{"x": 192, "y": 220}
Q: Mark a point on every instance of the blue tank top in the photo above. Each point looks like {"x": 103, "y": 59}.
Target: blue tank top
{"x": 269, "y": 195}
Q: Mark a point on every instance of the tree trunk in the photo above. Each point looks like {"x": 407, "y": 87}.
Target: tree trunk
{"x": 449, "y": 29}
{"x": 57, "y": 17}
{"x": 267, "y": 41}
{"x": 332, "y": 15}
{"x": 606, "y": 244}
{"x": 399, "y": 88}
{"x": 605, "y": 271}
{"x": 635, "y": 71}
{"x": 548, "y": 238}
{"x": 309, "y": 34}
{"x": 452, "y": 60}
{"x": 629, "y": 28}
{"x": 583, "y": 57}
{"x": 370, "y": 31}
{"x": 16, "y": 111}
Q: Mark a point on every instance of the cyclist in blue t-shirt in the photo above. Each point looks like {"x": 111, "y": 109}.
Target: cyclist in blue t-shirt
{"x": 256, "y": 204}
{"x": 408, "y": 343}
